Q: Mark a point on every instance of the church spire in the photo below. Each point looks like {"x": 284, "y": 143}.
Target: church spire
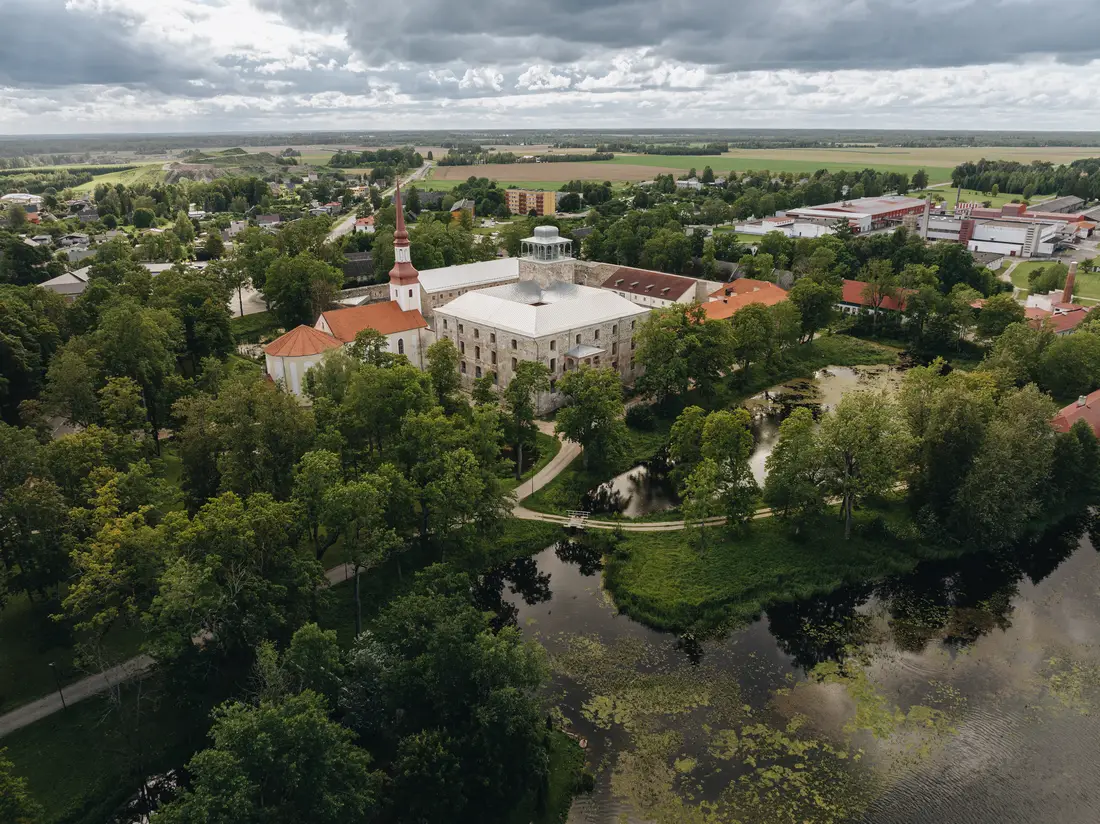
{"x": 404, "y": 280}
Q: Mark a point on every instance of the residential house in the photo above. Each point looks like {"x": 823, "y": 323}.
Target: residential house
{"x": 69, "y": 285}
{"x": 464, "y": 205}
{"x": 1086, "y": 408}
{"x": 652, "y": 289}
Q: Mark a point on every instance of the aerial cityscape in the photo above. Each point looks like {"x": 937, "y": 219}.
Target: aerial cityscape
{"x": 614, "y": 413}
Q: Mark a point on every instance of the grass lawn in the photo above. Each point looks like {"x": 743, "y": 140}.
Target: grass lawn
{"x": 972, "y": 196}
{"x": 1087, "y": 284}
{"x": 81, "y": 765}
{"x": 566, "y": 491}
{"x": 30, "y": 640}
{"x": 148, "y": 173}
{"x": 251, "y": 328}
{"x": 548, "y": 448}
{"x": 664, "y": 580}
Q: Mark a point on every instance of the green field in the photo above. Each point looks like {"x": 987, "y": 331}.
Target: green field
{"x": 669, "y": 581}
{"x": 1087, "y": 284}
{"x": 433, "y": 185}
{"x": 725, "y": 163}
{"x": 971, "y": 196}
{"x": 149, "y": 173}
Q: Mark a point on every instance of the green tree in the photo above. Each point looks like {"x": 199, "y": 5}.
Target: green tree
{"x": 214, "y": 246}
{"x": 997, "y": 314}
{"x": 862, "y": 445}
{"x": 752, "y": 336}
{"x": 200, "y": 304}
{"x": 30, "y": 332}
{"x": 815, "y": 303}
{"x": 443, "y": 360}
{"x": 483, "y": 392}
{"x": 678, "y": 345}
{"x": 356, "y": 512}
{"x": 234, "y": 577}
{"x": 528, "y": 379}
{"x": 728, "y": 444}
{"x": 35, "y": 535}
{"x": 184, "y": 229}
{"x": 685, "y": 448}
{"x": 316, "y": 473}
{"x": 593, "y": 415}
{"x": 793, "y": 487}
{"x": 1005, "y": 488}
{"x": 143, "y": 218}
{"x": 920, "y": 179}
{"x": 17, "y": 806}
{"x": 701, "y": 498}
{"x": 436, "y": 683}
{"x": 301, "y": 288}
{"x": 279, "y": 761}
{"x": 882, "y": 285}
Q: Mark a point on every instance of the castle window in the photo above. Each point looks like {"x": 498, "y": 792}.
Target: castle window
{"x": 401, "y": 346}
{"x": 553, "y": 364}
{"x": 492, "y": 337}
{"x": 578, "y": 340}
{"x": 514, "y": 343}
{"x": 460, "y": 330}
{"x": 477, "y": 371}
{"x": 462, "y": 366}
{"x": 614, "y": 330}
{"x": 462, "y": 346}
{"x": 553, "y": 345}
{"x": 515, "y": 363}
{"x": 477, "y": 333}
{"x": 596, "y": 334}
{"x": 477, "y": 353}
{"x": 493, "y": 357}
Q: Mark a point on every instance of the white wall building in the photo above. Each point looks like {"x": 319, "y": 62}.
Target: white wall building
{"x": 543, "y": 317}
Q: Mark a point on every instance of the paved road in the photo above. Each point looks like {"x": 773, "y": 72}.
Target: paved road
{"x": 346, "y": 225}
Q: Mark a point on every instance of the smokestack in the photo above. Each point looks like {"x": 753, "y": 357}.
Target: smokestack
{"x": 1067, "y": 294}
{"x": 927, "y": 211}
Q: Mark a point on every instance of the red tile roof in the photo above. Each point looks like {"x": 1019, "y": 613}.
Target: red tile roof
{"x": 741, "y": 293}
{"x": 300, "y": 341}
{"x": 649, "y": 283}
{"x": 1065, "y": 320}
{"x": 387, "y": 318}
{"x": 853, "y": 294}
{"x": 1089, "y": 412}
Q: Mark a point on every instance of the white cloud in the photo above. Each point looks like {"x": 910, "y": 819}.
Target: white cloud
{"x": 542, "y": 78}
{"x": 484, "y": 78}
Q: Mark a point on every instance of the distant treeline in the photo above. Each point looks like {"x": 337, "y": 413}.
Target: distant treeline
{"x": 646, "y": 148}
{"x": 1078, "y": 178}
{"x": 479, "y": 157}
{"x": 408, "y": 158}
{"x": 26, "y": 149}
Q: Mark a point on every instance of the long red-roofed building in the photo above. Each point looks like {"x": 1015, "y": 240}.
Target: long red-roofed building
{"x": 854, "y": 301}
{"x": 738, "y": 294}
{"x": 1086, "y": 408}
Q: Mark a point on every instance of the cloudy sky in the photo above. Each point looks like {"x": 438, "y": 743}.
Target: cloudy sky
{"x": 204, "y": 65}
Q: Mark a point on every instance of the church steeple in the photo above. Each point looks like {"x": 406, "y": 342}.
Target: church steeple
{"x": 404, "y": 280}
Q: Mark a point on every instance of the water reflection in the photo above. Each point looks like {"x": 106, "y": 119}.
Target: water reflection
{"x": 641, "y": 490}
{"x": 981, "y": 672}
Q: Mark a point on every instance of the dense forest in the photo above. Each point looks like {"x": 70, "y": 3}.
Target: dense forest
{"x": 1078, "y": 178}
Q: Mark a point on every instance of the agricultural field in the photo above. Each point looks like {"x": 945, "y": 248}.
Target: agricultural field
{"x": 546, "y": 174}
{"x": 789, "y": 160}
{"x": 1087, "y": 287}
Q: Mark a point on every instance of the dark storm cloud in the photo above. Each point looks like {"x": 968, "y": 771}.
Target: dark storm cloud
{"x": 45, "y": 45}
{"x": 732, "y": 35}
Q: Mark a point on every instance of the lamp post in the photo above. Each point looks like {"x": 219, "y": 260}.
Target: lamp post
{"x": 57, "y": 680}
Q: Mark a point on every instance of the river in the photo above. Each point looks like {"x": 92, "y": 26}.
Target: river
{"x": 965, "y": 692}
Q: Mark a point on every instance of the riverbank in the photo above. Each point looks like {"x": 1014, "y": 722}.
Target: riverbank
{"x": 647, "y": 437}
{"x": 665, "y": 580}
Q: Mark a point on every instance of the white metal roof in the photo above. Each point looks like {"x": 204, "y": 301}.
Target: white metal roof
{"x": 535, "y": 312}
{"x": 469, "y": 275}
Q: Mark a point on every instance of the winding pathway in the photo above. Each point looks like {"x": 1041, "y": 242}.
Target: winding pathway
{"x": 140, "y": 665}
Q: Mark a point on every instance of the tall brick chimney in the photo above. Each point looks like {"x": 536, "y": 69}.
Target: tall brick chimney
{"x": 1067, "y": 294}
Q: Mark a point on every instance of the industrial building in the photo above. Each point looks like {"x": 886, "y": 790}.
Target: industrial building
{"x": 1008, "y": 238}
{"x": 785, "y": 225}
{"x": 864, "y": 214}
{"x": 523, "y": 201}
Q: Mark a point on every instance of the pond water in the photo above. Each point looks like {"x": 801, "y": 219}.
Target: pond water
{"x": 819, "y": 394}
{"x": 645, "y": 489}
{"x": 967, "y": 691}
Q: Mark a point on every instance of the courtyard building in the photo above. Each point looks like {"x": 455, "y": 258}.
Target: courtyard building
{"x": 544, "y": 317}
